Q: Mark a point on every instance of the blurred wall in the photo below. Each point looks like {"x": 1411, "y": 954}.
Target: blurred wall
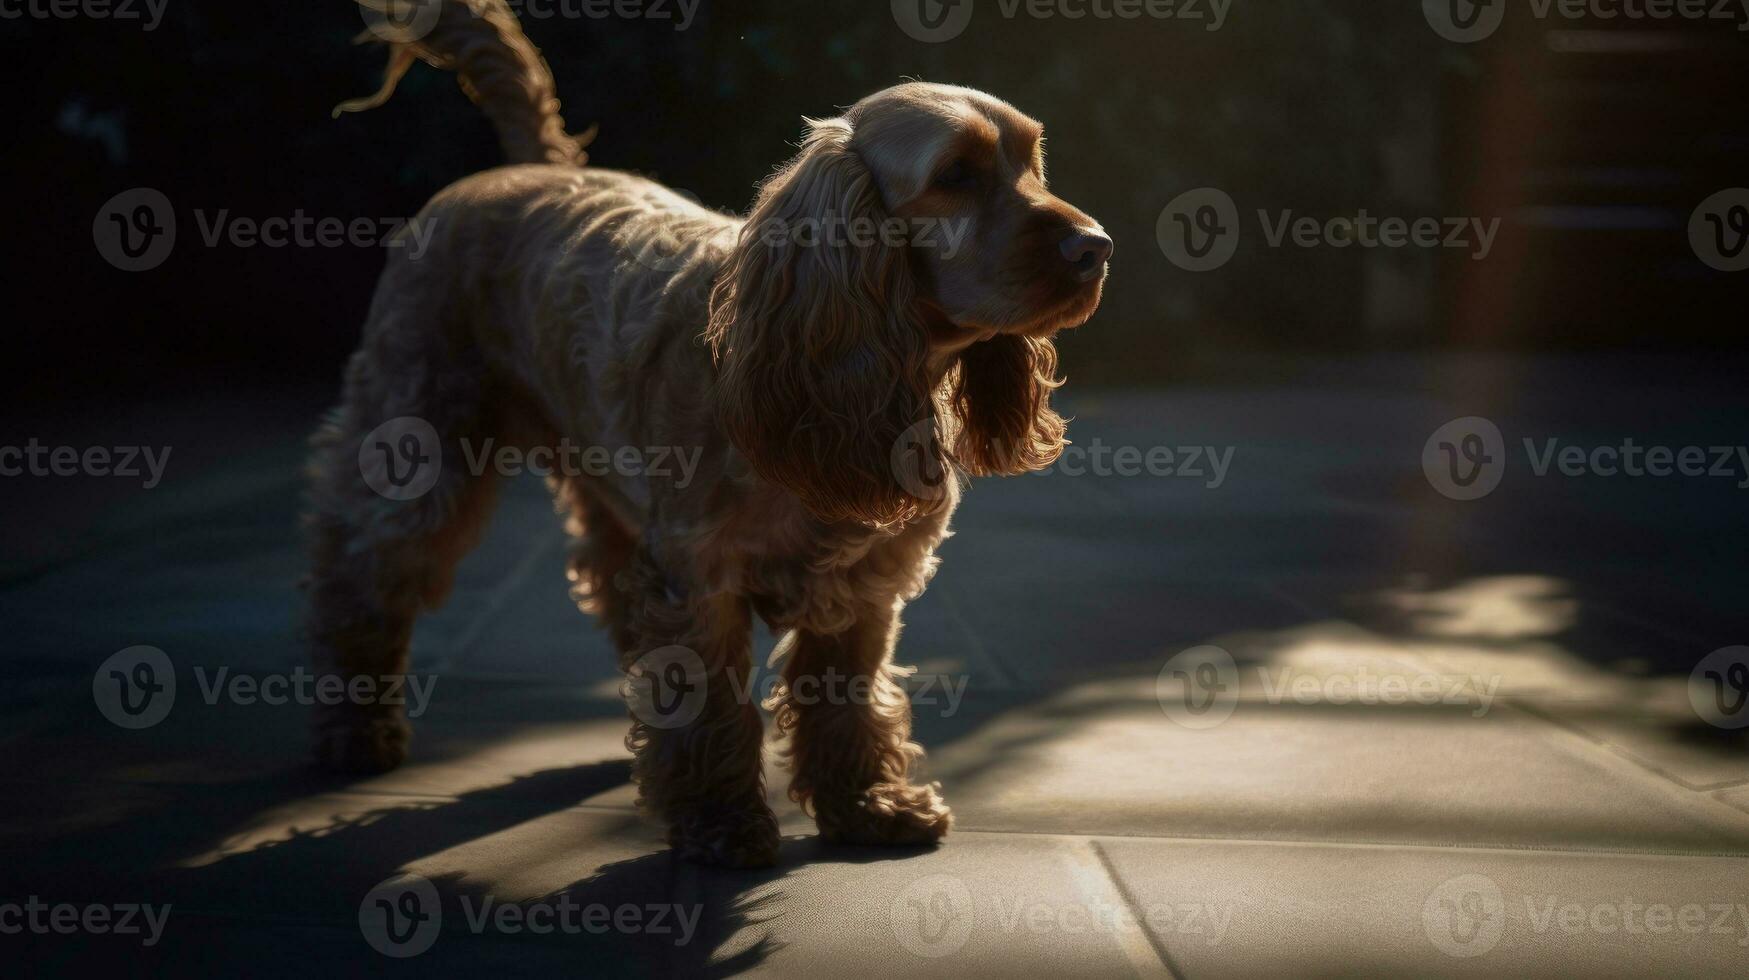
{"x": 1310, "y": 106}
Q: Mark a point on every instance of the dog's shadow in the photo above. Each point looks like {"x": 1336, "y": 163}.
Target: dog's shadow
{"x": 713, "y": 922}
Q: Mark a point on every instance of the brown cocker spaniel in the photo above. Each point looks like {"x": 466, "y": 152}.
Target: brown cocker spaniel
{"x": 881, "y": 321}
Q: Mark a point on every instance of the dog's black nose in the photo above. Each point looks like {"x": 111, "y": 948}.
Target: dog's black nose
{"x": 1087, "y": 251}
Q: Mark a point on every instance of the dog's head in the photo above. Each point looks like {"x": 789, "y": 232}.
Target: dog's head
{"x": 897, "y": 284}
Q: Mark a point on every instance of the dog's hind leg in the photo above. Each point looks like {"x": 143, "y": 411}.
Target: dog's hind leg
{"x": 601, "y": 551}
{"x": 393, "y": 505}
{"x": 696, "y": 735}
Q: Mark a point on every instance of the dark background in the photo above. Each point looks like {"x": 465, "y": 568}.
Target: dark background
{"x": 1594, "y": 161}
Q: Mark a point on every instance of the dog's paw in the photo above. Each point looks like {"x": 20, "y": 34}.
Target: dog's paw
{"x": 746, "y": 839}
{"x": 362, "y": 746}
{"x": 886, "y": 813}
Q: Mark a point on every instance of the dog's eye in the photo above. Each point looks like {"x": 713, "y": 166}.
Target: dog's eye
{"x": 957, "y": 175}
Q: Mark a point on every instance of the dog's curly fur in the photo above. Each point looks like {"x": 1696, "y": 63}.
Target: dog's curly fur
{"x": 823, "y": 385}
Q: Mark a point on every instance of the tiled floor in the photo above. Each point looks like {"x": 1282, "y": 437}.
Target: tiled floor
{"x": 1546, "y": 802}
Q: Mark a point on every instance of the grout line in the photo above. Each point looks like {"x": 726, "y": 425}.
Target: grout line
{"x": 1530, "y": 707}
{"x": 1093, "y": 867}
{"x": 1384, "y": 845}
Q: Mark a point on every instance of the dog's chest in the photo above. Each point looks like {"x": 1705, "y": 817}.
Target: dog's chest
{"x": 823, "y": 587}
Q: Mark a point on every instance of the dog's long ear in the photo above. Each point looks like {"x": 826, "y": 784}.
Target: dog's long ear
{"x": 1002, "y": 396}
{"x": 821, "y": 356}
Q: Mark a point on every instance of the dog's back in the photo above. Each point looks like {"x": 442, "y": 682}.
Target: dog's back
{"x": 525, "y": 266}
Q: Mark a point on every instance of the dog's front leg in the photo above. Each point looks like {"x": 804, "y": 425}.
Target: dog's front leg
{"x": 696, "y": 732}
{"x": 849, "y": 721}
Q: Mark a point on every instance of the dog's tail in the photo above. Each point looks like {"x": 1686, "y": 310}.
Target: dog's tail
{"x": 497, "y": 65}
